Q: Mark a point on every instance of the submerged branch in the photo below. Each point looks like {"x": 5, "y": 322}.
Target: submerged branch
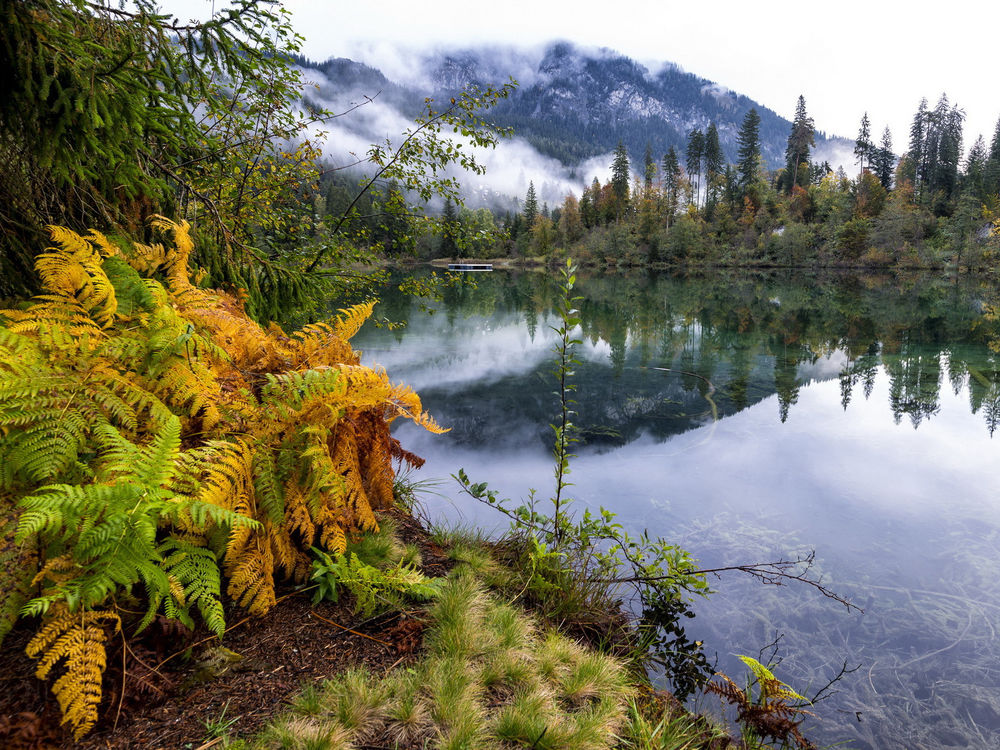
{"x": 776, "y": 573}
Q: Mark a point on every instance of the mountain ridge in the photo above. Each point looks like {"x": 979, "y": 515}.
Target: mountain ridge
{"x": 580, "y": 102}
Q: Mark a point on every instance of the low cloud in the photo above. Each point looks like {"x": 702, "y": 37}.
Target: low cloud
{"x": 509, "y": 167}
{"x": 838, "y": 151}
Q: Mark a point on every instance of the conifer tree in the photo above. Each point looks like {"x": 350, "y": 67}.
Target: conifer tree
{"x": 449, "y": 231}
{"x": 991, "y": 172}
{"x": 748, "y": 138}
{"x": 943, "y": 146}
{"x": 917, "y": 153}
{"x": 800, "y": 139}
{"x": 620, "y": 179}
{"x": 884, "y": 161}
{"x": 695, "y": 154}
{"x": 863, "y": 146}
{"x": 530, "y": 205}
{"x": 98, "y": 115}
{"x": 715, "y": 161}
{"x": 671, "y": 182}
{"x": 974, "y": 180}
{"x": 588, "y": 204}
{"x": 649, "y": 170}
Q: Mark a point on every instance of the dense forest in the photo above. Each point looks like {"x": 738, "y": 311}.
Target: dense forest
{"x": 694, "y": 207}
{"x": 929, "y": 208}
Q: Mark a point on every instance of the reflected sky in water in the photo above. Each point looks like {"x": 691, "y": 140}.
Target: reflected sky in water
{"x": 852, "y": 422}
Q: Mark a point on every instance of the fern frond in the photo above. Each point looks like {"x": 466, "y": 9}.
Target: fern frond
{"x": 251, "y": 577}
{"x": 196, "y": 570}
{"x": 405, "y": 403}
{"x": 318, "y": 345}
{"x": 352, "y": 318}
{"x": 297, "y": 515}
{"x": 156, "y": 465}
{"x": 79, "y": 640}
{"x": 267, "y": 484}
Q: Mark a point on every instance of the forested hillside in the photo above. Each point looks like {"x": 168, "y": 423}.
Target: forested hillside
{"x": 572, "y": 104}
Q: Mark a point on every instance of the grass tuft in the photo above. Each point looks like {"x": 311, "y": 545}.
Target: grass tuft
{"x": 590, "y": 677}
{"x": 305, "y": 734}
{"x": 458, "y": 614}
{"x": 309, "y": 702}
{"x": 356, "y": 700}
{"x": 488, "y": 678}
{"x": 381, "y": 548}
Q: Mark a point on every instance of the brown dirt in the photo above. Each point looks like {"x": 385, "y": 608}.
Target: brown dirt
{"x": 168, "y": 698}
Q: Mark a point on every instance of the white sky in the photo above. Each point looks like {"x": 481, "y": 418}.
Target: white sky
{"x": 879, "y": 56}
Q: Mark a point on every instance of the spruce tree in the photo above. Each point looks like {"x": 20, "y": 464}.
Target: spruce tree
{"x": 748, "y": 164}
{"x": 800, "y": 139}
{"x": 863, "y": 146}
{"x": 991, "y": 173}
{"x": 715, "y": 161}
{"x": 449, "y": 231}
{"x": 974, "y": 180}
{"x": 671, "y": 182}
{"x": 917, "y": 152}
{"x": 620, "y": 179}
{"x": 530, "y": 206}
{"x": 884, "y": 160}
{"x": 695, "y": 153}
{"x": 944, "y": 149}
{"x": 649, "y": 172}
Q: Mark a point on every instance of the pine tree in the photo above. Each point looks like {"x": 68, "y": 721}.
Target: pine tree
{"x": 917, "y": 153}
{"x": 884, "y": 161}
{"x": 449, "y": 231}
{"x": 715, "y": 161}
{"x": 671, "y": 182}
{"x": 991, "y": 173}
{"x": 800, "y": 139}
{"x": 620, "y": 179}
{"x": 695, "y": 154}
{"x": 974, "y": 180}
{"x": 863, "y": 146}
{"x": 97, "y": 116}
{"x": 748, "y": 164}
{"x": 649, "y": 171}
{"x": 943, "y": 147}
{"x": 530, "y": 206}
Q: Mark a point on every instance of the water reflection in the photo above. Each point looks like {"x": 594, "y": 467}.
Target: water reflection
{"x": 750, "y": 419}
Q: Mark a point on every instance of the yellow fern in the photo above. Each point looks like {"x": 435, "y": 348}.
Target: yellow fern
{"x": 79, "y": 640}
{"x": 264, "y": 444}
{"x": 352, "y": 318}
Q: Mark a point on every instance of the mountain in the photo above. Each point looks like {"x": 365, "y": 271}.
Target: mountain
{"x": 571, "y": 104}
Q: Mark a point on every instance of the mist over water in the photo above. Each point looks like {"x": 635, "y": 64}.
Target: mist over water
{"x": 752, "y": 419}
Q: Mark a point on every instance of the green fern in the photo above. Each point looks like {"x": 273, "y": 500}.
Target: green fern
{"x": 374, "y": 589}
{"x": 196, "y": 571}
{"x": 106, "y": 531}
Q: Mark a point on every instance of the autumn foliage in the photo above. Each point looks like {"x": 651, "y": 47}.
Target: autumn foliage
{"x": 155, "y": 442}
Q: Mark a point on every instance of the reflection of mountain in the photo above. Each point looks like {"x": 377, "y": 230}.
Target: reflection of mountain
{"x": 662, "y": 355}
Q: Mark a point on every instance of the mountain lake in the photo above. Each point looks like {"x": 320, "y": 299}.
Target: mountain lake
{"x": 751, "y": 418}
